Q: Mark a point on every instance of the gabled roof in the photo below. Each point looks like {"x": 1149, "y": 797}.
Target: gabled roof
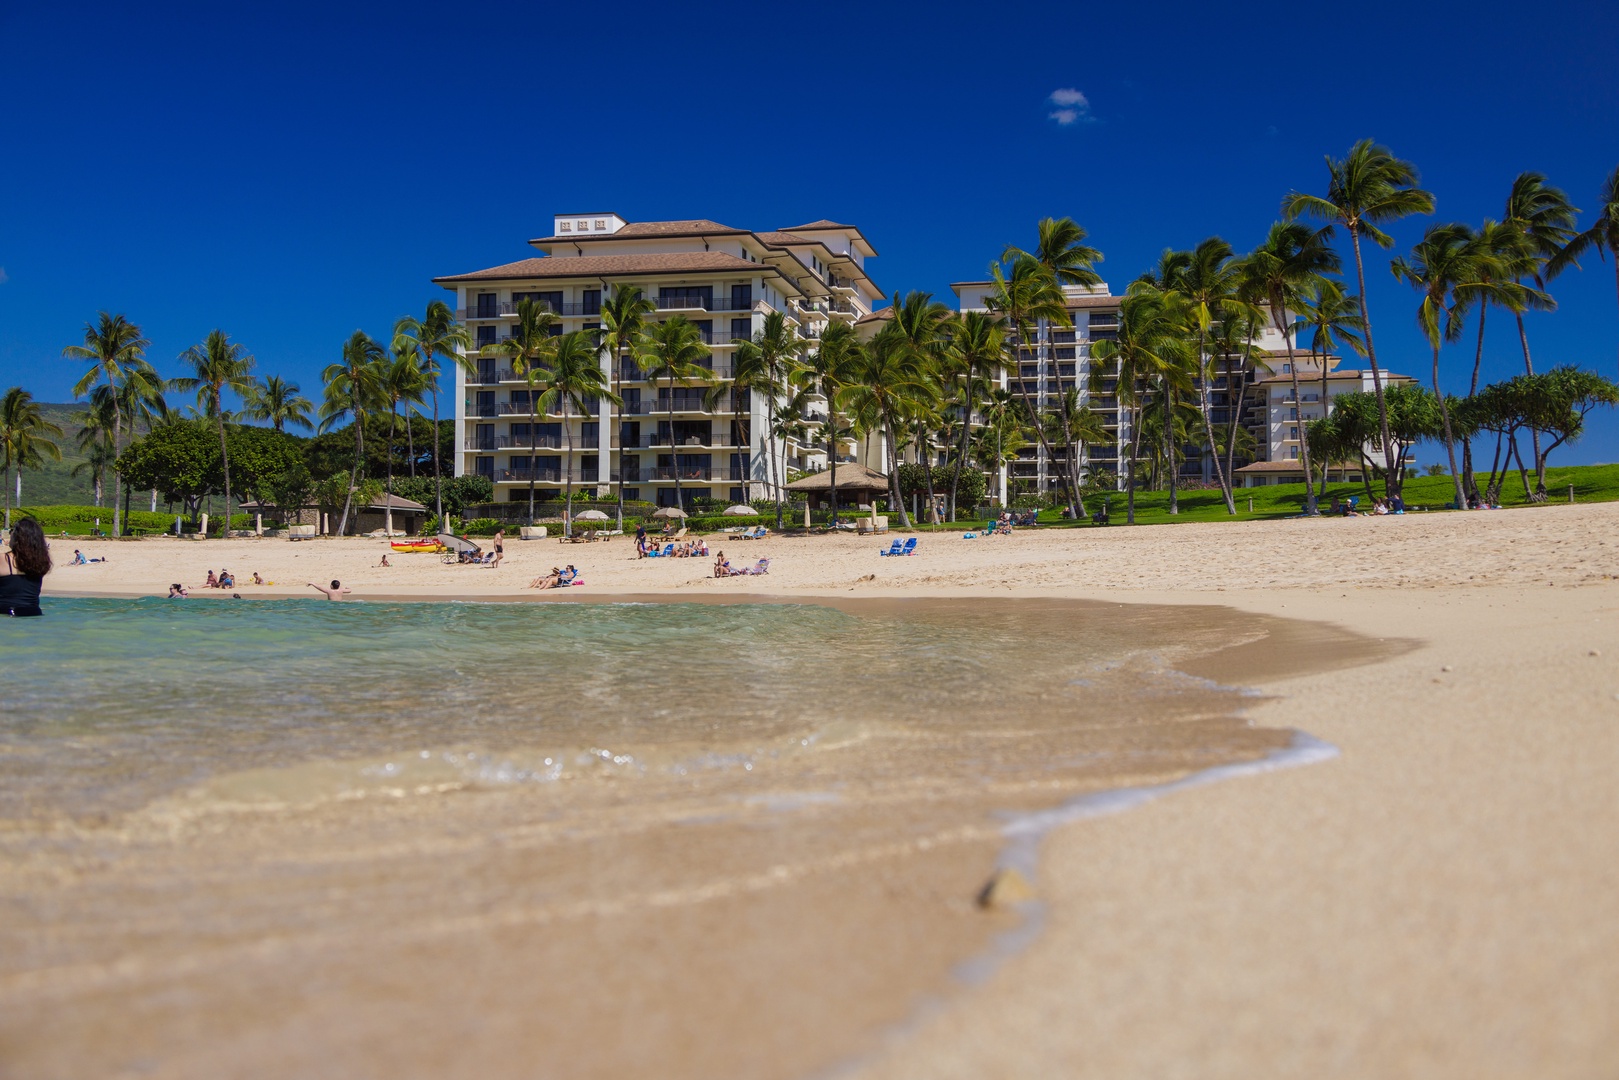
{"x": 689, "y": 262}
{"x": 648, "y": 230}
{"x": 824, "y": 223}
{"x": 852, "y": 476}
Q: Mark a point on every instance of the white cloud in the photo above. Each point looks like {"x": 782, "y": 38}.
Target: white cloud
{"x": 1073, "y": 107}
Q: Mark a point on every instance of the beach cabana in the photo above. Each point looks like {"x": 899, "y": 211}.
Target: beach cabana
{"x": 408, "y": 515}
{"x": 856, "y": 484}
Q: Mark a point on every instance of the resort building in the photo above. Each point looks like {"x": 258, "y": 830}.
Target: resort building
{"x": 725, "y": 280}
{"x": 1284, "y": 416}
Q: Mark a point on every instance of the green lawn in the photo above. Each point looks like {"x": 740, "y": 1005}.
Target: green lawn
{"x": 1592, "y": 483}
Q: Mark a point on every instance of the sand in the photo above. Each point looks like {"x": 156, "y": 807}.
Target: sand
{"x": 1437, "y": 901}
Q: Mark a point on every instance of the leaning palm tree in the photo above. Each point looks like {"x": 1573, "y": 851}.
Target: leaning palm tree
{"x": 1500, "y": 253}
{"x": 1370, "y": 187}
{"x": 826, "y": 371}
{"x": 111, "y": 345}
{"x": 353, "y": 390}
{"x": 625, "y": 317}
{"x": 529, "y": 349}
{"x": 221, "y": 367}
{"x": 1286, "y": 267}
{"x": 23, "y": 440}
{"x": 675, "y": 353}
{"x": 276, "y": 402}
{"x": 434, "y": 335}
{"x": 1070, "y": 261}
{"x": 1602, "y": 236}
{"x": 96, "y": 423}
{"x": 575, "y": 381}
{"x": 774, "y": 351}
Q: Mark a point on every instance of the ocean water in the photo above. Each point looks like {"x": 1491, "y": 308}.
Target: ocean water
{"x": 296, "y": 826}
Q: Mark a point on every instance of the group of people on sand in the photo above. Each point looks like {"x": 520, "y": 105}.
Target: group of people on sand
{"x": 1380, "y": 507}
{"x": 558, "y": 578}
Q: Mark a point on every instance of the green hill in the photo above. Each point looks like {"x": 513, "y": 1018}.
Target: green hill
{"x": 55, "y": 484}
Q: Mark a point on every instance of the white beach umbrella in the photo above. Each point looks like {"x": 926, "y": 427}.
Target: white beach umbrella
{"x": 740, "y": 509}
{"x": 670, "y": 512}
{"x": 590, "y": 515}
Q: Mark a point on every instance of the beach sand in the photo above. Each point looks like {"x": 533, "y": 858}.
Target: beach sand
{"x": 1439, "y": 900}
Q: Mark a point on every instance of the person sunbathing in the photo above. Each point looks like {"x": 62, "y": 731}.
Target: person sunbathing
{"x": 547, "y": 581}
{"x": 212, "y": 582}
{"x": 722, "y": 566}
{"x": 78, "y": 558}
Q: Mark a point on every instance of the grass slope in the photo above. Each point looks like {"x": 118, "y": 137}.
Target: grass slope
{"x": 55, "y": 484}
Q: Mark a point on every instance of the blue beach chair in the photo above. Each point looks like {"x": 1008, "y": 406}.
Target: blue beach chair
{"x": 896, "y": 548}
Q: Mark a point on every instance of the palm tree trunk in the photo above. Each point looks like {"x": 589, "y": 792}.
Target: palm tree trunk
{"x": 1310, "y": 507}
{"x": 438, "y": 479}
{"x": 1066, "y": 473}
{"x": 567, "y": 472}
{"x": 923, "y": 453}
{"x": 354, "y": 477}
{"x": 388, "y": 483}
{"x": 1135, "y": 450}
{"x": 533, "y": 444}
{"x": 117, "y": 476}
{"x": 1534, "y": 434}
{"x": 1170, "y": 465}
{"x": 1469, "y": 480}
{"x": 892, "y": 449}
{"x": 1207, "y": 409}
{"x": 224, "y": 456}
{"x": 832, "y": 452}
{"x": 410, "y": 440}
{"x": 961, "y": 456}
{"x": 1034, "y": 412}
{"x": 1523, "y": 474}
{"x": 616, "y": 435}
{"x": 1391, "y": 479}
{"x": 1450, "y": 441}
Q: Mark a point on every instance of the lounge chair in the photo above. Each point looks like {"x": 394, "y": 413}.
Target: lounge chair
{"x": 896, "y": 548}
{"x": 760, "y": 567}
{"x": 907, "y": 548}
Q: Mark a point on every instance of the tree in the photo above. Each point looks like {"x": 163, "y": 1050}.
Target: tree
{"x": 23, "y": 440}
{"x": 96, "y": 424}
{"x": 917, "y": 328}
{"x": 1023, "y": 295}
{"x": 625, "y": 317}
{"x": 400, "y": 382}
{"x": 1335, "y": 323}
{"x": 1151, "y": 347}
{"x": 575, "y": 381}
{"x": 221, "y": 366}
{"x": 975, "y": 355}
{"x": 887, "y": 380}
{"x": 834, "y": 364}
{"x": 1285, "y": 267}
{"x": 1367, "y": 189}
{"x": 675, "y": 352}
{"x": 277, "y": 402}
{"x": 1555, "y": 405}
{"x": 1602, "y": 236}
{"x": 353, "y": 390}
{"x": 434, "y": 335}
{"x": 180, "y": 459}
{"x": 529, "y": 348}
{"x": 112, "y": 345}
{"x": 1066, "y": 257}
{"x": 775, "y": 350}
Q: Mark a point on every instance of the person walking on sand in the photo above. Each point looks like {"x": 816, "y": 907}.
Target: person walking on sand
{"x": 500, "y": 546}
{"x": 640, "y": 541}
{"x": 336, "y": 592}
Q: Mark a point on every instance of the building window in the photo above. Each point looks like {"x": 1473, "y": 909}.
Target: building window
{"x": 590, "y": 432}
{"x": 592, "y": 298}
{"x": 1293, "y": 433}
{"x": 1293, "y": 453}
{"x": 632, "y": 494}
{"x": 486, "y": 336}
{"x": 1292, "y": 414}
{"x": 1287, "y": 369}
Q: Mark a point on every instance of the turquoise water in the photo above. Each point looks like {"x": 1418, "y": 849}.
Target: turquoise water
{"x": 108, "y": 704}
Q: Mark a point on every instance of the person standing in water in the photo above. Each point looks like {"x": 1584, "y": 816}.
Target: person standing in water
{"x": 336, "y": 592}
{"x": 27, "y": 563}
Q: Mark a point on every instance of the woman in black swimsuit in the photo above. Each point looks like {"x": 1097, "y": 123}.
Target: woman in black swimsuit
{"x": 27, "y": 563}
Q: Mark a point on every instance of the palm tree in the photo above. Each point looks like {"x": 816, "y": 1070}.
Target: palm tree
{"x": 625, "y": 317}
{"x": 529, "y": 348}
{"x": 1602, "y": 235}
{"x": 1070, "y": 261}
{"x": 434, "y": 335}
{"x": 401, "y": 383}
{"x": 111, "y": 345}
{"x": 277, "y": 402}
{"x": 1151, "y": 347}
{"x": 775, "y": 349}
{"x": 1024, "y": 295}
{"x": 1370, "y": 187}
{"x": 221, "y": 366}
{"x": 1286, "y": 267}
{"x": 918, "y": 325}
{"x": 575, "y": 381}
{"x": 826, "y": 371}
{"x": 23, "y": 442}
{"x": 354, "y": 390}
{"x": 975, "y": 355}
{"x": 1501, "y": 254}
{"x": 675, "y": 352}
{"x": 888, "y": 381}
{"x": 96, "y": 425}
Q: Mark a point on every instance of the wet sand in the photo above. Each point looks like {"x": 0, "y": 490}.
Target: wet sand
{"x": 1438, "y": 901}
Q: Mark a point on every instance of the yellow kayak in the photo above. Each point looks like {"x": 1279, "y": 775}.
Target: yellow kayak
{"x": 427, "y": 546}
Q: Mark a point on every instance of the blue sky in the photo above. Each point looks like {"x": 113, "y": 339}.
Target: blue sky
{"x": 292, "y": 174}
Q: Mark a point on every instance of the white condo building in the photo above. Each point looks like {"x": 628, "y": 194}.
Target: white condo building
{"x": 725, "y": 280}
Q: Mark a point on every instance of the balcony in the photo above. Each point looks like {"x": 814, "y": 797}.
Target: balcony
{"x": 714, "y": 439}
{"x": 696, "y": 473}
{"x": 702, "y": 303}
{"x": 506, "y": 309}
{"x": 490, "y": 378}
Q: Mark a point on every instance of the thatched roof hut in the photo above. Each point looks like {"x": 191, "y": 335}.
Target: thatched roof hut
{"x": 856, "y": 484}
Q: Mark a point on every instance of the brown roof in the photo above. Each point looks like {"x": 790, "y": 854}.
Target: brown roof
{"x": 1341, "y": 373}
{"x": 824, "y": 223}
{"x": 379, "y": 503}
{"x": 694, "y": 262}
{"x": 880, "y": 315}
{"x": 690, "y": 227}
{"x": 1270, "y": 467}
{"x": 774, "y": 238}
{"x": 851, "y": 477}
{"x": 1092, "y": 301}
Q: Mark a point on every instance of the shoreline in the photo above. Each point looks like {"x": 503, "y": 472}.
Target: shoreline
{"x": 1435, "y": 901}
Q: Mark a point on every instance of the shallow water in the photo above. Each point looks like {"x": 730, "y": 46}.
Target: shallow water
{"x": 323, "y": 832}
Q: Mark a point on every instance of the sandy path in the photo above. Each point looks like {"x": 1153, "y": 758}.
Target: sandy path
{"x": 1439, "y": 901}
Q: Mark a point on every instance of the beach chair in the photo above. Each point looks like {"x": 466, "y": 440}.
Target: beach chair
{"x": 896, "y": 548}
{"x": 459, "y": 550}
{"x": 668, "y": 552}
{"x": 909, "y": 548}
{"x": 760, "y": 567}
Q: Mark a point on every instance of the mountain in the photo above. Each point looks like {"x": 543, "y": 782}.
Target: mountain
{"x": 55, "y": 484}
